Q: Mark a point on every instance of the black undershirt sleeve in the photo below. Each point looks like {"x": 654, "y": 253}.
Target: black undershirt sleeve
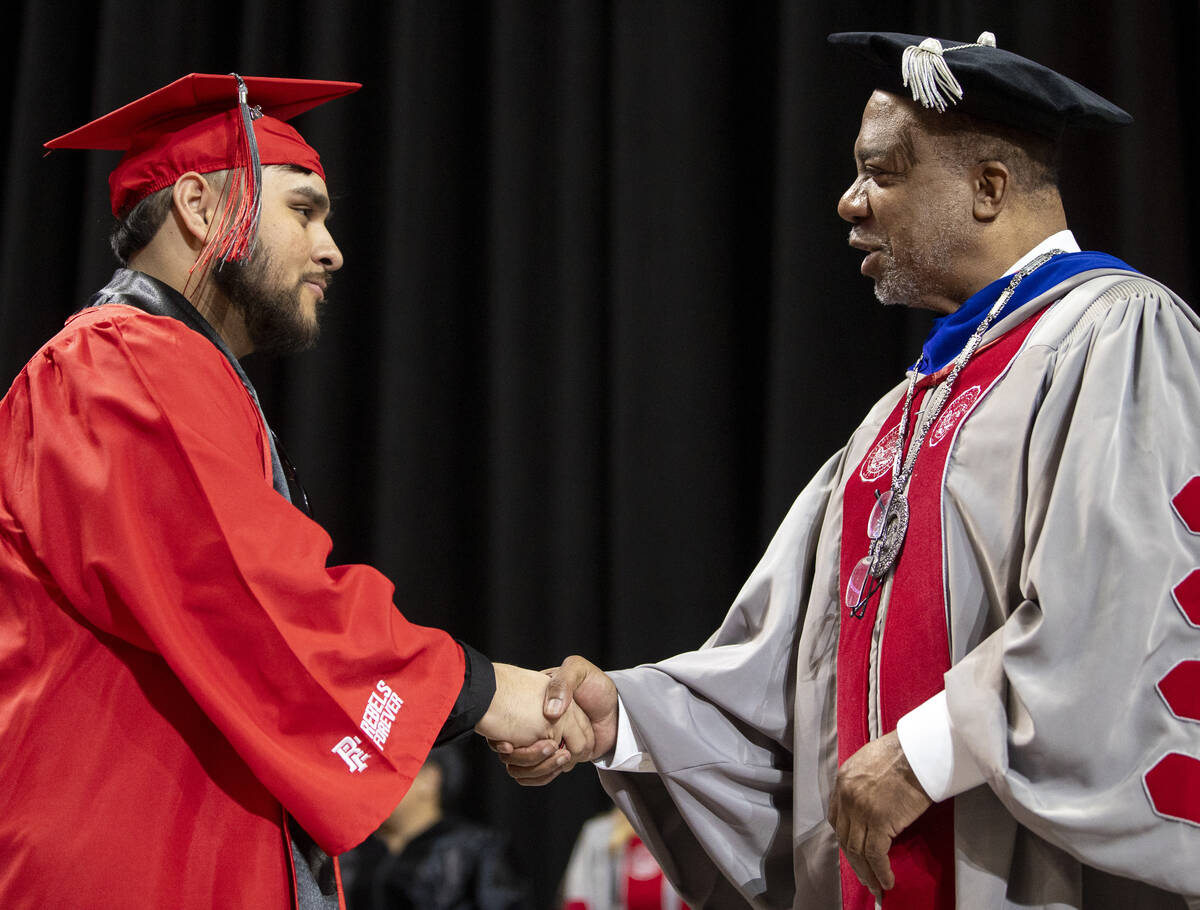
{"x": 478, "y": 688}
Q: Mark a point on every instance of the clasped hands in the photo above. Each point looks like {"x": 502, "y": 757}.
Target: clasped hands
{"x": 542, "y": 724}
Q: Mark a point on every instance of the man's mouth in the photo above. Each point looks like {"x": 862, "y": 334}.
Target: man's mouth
{"x": 872, "y": 248}
{"x": 319, "y": 285}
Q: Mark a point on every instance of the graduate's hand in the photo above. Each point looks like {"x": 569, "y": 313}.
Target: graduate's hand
{"x": 578, "y": 683}
{"x": 875, "y": 797}
{"x": 516, "y": 716}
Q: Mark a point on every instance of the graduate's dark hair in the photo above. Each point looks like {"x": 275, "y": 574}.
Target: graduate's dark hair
{"x": 137, "y": 227}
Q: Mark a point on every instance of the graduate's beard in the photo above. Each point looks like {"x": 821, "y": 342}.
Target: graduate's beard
{"x": 272, "y": 312}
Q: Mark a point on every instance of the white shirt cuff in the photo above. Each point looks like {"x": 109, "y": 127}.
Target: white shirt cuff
{"x": 627, "y": 754}
{"x": 942, "y": 767}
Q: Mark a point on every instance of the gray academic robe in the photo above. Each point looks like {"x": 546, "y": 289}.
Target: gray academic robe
{"x": 1061, "y": 551}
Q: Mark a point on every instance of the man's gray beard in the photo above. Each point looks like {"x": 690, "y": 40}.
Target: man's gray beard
{"x": 272, "y": 314}
{"x": 923, "y": 276}
{"x": 897, "y": 286}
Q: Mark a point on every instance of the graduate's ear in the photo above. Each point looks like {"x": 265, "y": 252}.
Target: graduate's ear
{"x": 992, "y": 184}
{"x": 195, "y": 198}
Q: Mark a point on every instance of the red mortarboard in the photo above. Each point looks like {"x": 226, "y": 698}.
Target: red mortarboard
{"x": 195, "y": 124}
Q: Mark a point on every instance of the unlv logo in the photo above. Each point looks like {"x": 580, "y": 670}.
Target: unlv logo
{"x": 349, "y": 750}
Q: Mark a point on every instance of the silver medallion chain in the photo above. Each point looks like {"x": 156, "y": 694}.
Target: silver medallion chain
{"x": 888, "y": 531}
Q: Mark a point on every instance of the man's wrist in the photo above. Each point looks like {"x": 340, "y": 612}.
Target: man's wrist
{"x": 474, "y": 698}
{"x": 627, "y": 753}
{"x": 942, "y": 767}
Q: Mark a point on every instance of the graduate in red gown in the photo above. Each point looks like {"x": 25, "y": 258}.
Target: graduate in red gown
{"x": 195, "y": 710}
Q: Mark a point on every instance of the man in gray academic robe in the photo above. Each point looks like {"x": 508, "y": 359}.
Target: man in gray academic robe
{"x": 968, "y": 658}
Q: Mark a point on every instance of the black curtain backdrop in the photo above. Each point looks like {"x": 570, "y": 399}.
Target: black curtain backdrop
{"x": 598, "y": 322}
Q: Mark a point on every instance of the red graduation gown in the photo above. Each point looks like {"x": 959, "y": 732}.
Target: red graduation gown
{"x": 178, "y": 665}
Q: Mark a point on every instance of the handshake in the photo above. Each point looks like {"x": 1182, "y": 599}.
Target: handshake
{"x": 542, "y": 724}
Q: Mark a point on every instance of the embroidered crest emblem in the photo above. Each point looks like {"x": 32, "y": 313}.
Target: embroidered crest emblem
{"x": 881, "y": 458}
{"x": 953, "y": 414}
{"x": 348, "y": 750}
{"x": 382, "y": 707}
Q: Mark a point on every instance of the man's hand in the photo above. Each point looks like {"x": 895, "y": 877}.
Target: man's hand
{"x": 876, "y": 796}
{"x": 516, "y": 716}
{"x": 578, "y": 683}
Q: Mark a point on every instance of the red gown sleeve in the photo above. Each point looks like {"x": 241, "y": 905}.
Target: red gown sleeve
{"x": 147, "y": 495}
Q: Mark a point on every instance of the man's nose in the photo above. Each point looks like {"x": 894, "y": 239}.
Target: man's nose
{"x": 853, "y": 206}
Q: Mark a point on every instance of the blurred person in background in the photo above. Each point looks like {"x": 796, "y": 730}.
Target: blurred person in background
{"x": 611, "y": 869}
{"x": 426, "y": 856}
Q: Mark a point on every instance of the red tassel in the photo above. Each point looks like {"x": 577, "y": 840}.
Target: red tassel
{"x": 233, "y": 233}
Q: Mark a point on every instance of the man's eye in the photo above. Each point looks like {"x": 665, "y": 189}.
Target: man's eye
{"x": 879, "y": 175}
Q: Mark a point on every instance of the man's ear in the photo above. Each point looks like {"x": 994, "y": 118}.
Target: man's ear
{"x": 195, "y": 199}
{"x": 991, "y": 184}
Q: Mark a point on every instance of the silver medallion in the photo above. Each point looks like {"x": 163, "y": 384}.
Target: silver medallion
{"x": 895, "y": 526}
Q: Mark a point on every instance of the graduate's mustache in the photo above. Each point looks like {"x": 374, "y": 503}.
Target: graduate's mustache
{"x": 322, "y": 278}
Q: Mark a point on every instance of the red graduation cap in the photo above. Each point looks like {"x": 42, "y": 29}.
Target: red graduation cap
{"x": 197, "y": 124}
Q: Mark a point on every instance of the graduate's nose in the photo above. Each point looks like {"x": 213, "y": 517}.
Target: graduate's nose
{"x": 326, "y": 252}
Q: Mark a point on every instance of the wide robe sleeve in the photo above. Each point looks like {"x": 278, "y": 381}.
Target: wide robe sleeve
{"x": 1080, "y": 704}
{"x": 720, "y": 724}
{"x": 142, "y": 483}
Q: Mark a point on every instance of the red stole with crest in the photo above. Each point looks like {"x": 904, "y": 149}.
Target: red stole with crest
{"x": 914, "y": 649}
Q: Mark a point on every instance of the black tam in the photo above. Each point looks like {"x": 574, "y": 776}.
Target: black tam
{"x": 980, "y": 79}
